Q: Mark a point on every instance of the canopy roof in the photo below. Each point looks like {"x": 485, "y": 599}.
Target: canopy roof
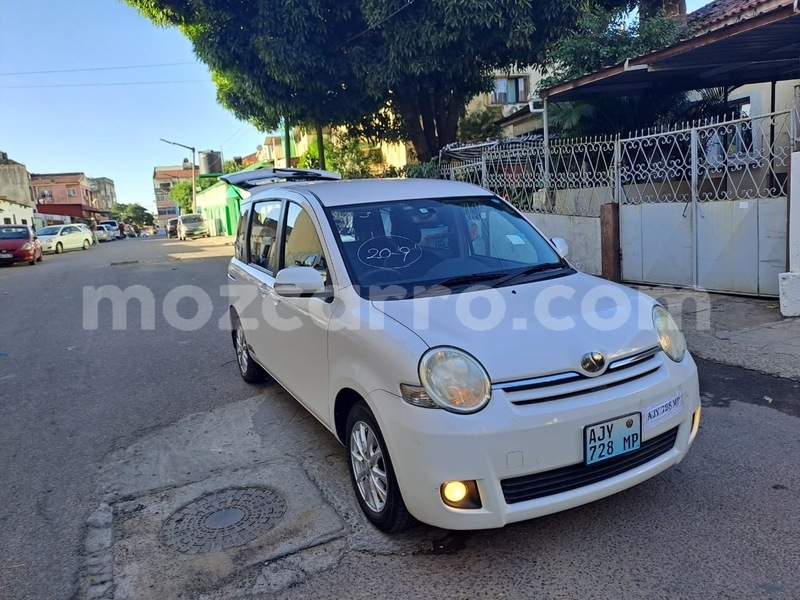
{"x": 749, "y": 49}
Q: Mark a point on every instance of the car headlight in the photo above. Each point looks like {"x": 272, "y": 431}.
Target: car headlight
{"x": 669, "y": 336}
{"x": 454, "y": 380}
{"x": 27, "y": 246}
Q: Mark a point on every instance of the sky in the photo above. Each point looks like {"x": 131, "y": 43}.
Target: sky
{"x": 115, "y": 85}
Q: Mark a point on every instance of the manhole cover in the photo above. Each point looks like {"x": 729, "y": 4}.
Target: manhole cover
{"x": 223, "y": 519}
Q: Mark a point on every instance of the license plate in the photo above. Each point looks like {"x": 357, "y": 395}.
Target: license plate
{"x": 612, "y": 438}
{"x": 6, "y": 256}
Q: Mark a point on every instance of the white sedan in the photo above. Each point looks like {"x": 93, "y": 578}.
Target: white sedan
{"x": 105, "y": 234}
{"x": 58, "y": 238}
{"x": 475, "y": 377}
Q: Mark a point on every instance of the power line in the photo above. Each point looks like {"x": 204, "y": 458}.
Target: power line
{"x": 100, "y": 69}
{"x": 379, "y": 23}
{"x": 72, "y": 85}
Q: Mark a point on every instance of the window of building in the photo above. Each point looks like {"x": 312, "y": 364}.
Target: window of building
{"x": 71, "y": 192}
{"x": 739, "y": 140}
{"x": 6, "y": 221}
{"x": 165, "y": 186}
{"x": 510, "y": 90}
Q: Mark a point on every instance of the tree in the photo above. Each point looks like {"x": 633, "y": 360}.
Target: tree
{"x": 134, "y": 214}
{"x": 480, "y": 125}
{"x": 602, "y": 38}
{"x": 181, "y": 194}
{"x": 347, "y": 155}
{"x": 389, "y": 72}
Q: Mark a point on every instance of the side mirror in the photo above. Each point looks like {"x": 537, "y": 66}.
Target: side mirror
{"x": 65, "y": 233}
{"x": 298, "y": 281}
{"x": 561, "y": 246}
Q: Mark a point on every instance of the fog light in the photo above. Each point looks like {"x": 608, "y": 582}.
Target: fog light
{"x": 455, "y": 491}
{"x": 461, "y": 494}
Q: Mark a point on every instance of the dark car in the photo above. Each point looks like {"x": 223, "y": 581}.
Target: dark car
{"x": 19, "y": 244}
{"x": 172, "y": 228}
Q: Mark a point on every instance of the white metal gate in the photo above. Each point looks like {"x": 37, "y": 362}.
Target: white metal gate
{"x": 706, "y": 206}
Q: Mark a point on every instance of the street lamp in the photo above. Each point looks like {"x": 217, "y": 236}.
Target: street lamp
{"x": 194, "y": 183}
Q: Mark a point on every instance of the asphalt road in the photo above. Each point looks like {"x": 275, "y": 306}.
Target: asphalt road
{"x": 146, "y": 418}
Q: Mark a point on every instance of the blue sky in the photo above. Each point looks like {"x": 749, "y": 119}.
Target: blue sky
{"x": 107, "y": 123}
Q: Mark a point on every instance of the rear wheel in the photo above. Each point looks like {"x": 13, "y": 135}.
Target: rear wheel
{"x": 86, "y": 244}
{"x": 372, "y": 474}
{"x": 249, "y": 369}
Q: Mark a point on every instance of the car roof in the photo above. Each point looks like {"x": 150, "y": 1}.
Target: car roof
{"x": 364, "y": 191}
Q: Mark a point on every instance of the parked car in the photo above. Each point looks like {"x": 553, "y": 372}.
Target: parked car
{"x": 105, "y": 233}
{"x": 114, "y": 225}
{"x": 172, "y": 228}
{"x": 475, "y": 376}
{"x": 191, "y": 226}
{"x": 57, "y": 238}
{"x": 18, "y": 243}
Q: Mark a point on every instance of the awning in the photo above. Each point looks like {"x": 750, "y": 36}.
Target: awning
{"x": 763, "y": 48}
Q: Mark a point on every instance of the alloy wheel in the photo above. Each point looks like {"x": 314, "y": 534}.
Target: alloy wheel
{"x": 242, "y": 355}
{"x": 369, "y": 468}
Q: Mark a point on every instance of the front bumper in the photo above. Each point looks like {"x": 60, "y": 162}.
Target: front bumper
{"x": 508, "y": 442}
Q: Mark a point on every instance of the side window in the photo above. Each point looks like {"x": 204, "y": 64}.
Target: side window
{"x": 263, "y": 233}
{"x": 240, "y": 245}
{"x": 302, "y": 247}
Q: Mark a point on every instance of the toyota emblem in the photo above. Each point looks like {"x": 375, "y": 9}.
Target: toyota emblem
{"x": 593, "y": 362}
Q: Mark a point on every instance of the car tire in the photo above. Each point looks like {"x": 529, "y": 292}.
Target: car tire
{"x": 32, "y": 262}
{"x": 86, "y": 244}
{"x": 59, "y": 248}
{"x": 249, "y": 369}
{"x": 371, "y": 472}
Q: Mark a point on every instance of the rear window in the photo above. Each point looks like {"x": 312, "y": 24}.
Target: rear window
{"x": 13, "y": 233}
{"x": 192, "y": 219}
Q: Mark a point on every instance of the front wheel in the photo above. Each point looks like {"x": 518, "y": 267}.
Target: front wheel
{"x": 59, "y": 248}
{"x": 372, "y": 474}
{"x": 249, "y": 369}
{"x": 86, "y": 244}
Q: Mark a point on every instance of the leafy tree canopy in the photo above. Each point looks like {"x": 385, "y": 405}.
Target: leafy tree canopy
{"x": 386, "y": 69}
{"x": 347, "y": 155}
{"x": 181, "y": 194}
{"x": 133, "y": 214}
{"x": 602, "y": 38}
{"x": 480, "y": 125}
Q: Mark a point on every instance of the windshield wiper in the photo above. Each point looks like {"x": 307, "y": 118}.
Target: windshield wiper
{"x": 530, "y": 271}
{"x": 466, "y": 279}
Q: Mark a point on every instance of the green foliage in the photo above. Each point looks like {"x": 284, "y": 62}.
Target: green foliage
{"x": 347, "y": 155}
{"x": 181, "y": 194}
{"x": 133, "y": 214}
{"x": 385, "y": 70}
{"x": 602, "y": 38}
{"x": 230, "y": 166}
{"x": 422, "y": 170}
{"x": 480, "y": 125}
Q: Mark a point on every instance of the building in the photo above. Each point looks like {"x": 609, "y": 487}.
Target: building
{"x": 70, "y": 194}
{"x": 104, "y": 193}
{"x": 16, "y": 202}
{"x": 163, "y": 180}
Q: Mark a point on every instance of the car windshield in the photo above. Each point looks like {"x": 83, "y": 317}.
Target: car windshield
{"x": 109, "y": 223}
{"x": 13, "y": 233}
{"x": 52, "y": 230}
{"x": 402, "y": 249}
{"x": 192, "y": 219}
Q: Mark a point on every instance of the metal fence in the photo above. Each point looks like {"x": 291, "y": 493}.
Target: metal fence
{"x": 738, "y": 159}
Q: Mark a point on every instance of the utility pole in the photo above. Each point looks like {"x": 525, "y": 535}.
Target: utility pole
{"x": 194, "y": 181}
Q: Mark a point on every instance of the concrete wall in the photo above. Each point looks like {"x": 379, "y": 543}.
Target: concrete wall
{"x": 582, "y": 235}
{"x": 14, "y": 214}
{"x": 789, "y": 283}
{"x": 14, "y": 183}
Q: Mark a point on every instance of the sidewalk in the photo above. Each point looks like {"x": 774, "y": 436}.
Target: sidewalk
{"x": 735, "y": 330}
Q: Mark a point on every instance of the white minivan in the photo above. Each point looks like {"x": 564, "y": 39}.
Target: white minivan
{"x": 475, "y": 377}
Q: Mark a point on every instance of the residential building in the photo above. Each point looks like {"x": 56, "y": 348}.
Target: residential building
{"x": 163, "y": 180}
{"x": 66, "y": 194}
{"x": 16, "y": 202}
{"x": 512, "y": 93}
{"x": 103, "y": 192}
